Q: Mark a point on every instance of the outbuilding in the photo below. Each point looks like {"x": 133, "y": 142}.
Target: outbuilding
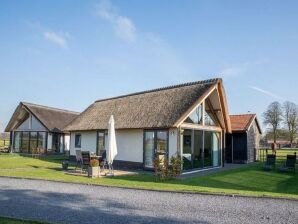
{"x": 243, "y": 143}
{"x": 35, "y": 127}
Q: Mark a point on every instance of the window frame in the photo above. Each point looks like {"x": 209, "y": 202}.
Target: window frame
{"x": 78, "y": 144}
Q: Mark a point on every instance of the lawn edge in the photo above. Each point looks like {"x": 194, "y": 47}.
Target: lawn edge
{"x": 25, "y": 220}
{"x": 159, "y": 190}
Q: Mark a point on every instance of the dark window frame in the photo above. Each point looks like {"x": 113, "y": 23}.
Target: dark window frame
{"x": 78, "y": 144}
{"x": 104, "y": 140}
{"x": 155, "y": 145}
{"x": 29, "y": 139}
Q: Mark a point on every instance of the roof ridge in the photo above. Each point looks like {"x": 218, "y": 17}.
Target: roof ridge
{"x": 50, "y": 108}
{"x": 162, "y": 88}
{"x": 242, "y": 114}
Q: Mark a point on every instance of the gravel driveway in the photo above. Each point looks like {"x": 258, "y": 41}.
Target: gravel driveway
{"x": 74, "y": 203}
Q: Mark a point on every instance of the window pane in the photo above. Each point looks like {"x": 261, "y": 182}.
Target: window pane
{"x": 196, "y": 116}
{"x": 209, "y": 117}
{"x": 161, "y": 144}
{"x": 33, "y": 141}
{"x": 216, "y": 149}
{"x": 78, "y": 141}
{"x": 207, "y": 149}
{"x": 198, "y": 149}
{"x": 17, "y": 141}
{"x": 42, "y": 140}
{"x": 162, "y": 141}
{"x": 149, "y": 148}
{"x": 187, "y": 153}
{"x": 25, "y": 142}
{"x": 100, "y": 142}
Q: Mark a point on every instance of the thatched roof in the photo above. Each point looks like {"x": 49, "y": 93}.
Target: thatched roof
{"x": 53, "y": 119}
{"x": 158, "y": 108}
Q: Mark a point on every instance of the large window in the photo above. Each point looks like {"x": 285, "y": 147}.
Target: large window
{"x": 25, "y": 141}
{"x": 155, "y": 145}
{"x": 196, "y": 116}
{"x": 78, "y": 138}
{"x": 33, "y": 141}
{"x": 201, "y": 149}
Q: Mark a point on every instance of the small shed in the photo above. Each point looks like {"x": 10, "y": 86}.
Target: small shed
{"x": 242, "y": 144}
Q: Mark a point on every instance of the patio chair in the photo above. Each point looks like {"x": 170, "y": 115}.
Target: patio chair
{"x": 270, "y": 162}
{"x": 85, "y": 160}
{"x": 79, "y": 159}
{"x": 103, "y": 160}
{"x": 289, "y": 164}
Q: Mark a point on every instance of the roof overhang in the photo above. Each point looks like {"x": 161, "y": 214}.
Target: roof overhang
{"x": 223, "y": 107}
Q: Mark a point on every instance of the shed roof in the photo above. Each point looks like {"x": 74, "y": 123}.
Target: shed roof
{"x": 53, "y": 119}
{"x": 157, "y": 108}
{"x": 242, "y": 122}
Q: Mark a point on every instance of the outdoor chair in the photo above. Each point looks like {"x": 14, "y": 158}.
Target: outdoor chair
{"x": 103, "y": 160}
{"x": 79, "y": 159}
{"x": 289, "y": 164}
{"x": 270, "y": 162}
{"x": 85, "y": 160}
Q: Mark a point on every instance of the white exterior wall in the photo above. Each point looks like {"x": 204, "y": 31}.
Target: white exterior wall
{"x": 173, "y": 142}
{"x": 88, "y": 142}
{"x": 129, "y": 144}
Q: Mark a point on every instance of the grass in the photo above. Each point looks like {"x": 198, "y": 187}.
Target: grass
{"x": 247, "y": 180}
{"x": 4, "y": 220}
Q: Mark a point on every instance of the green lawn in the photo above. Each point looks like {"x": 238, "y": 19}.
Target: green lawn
{"x": 247, "y": 180}
{"x": 17, "y": 221}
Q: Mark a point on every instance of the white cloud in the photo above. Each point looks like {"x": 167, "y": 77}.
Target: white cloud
{"x": 266, "y": 92}
{"x": 57, "y": 38}
{"x": 124, "y": 27}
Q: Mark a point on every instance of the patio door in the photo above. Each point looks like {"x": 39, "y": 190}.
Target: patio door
{"x": 155, "y": 145}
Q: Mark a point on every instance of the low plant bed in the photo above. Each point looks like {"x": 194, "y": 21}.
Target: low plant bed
{"x": 249, "y": 180}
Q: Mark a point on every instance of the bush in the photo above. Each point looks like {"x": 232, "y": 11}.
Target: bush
{"x": 165, "y": 171}
{"x": 94, "y": 163}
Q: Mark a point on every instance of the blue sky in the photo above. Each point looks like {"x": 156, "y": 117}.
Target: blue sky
{"x": 67, "y": 54}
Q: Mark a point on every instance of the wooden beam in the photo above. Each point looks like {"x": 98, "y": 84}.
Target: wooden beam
{"x": 213, "y": 112}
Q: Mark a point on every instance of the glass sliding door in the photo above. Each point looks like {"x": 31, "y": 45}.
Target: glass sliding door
{"x": 198, "y": 149}
{"x": 149, "y": 148}
{"x": 25, "y": 141}
{"x": 216, "y": 149}
{"x": 17, "y": 141}
{"x": 161, "y": 144}
{"x": 187, "y": 150}
{"x": 208, "y": 149}
{"x": 155, "y": 145}
{"x": 33, "y": 142}
{"x": 42, "y": 141}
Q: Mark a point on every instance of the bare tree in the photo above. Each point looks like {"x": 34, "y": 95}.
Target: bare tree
{"x": 273, "y": 117}
{"x": 291, "y": 119}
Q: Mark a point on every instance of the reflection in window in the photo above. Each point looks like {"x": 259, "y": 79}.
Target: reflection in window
{"x": 196, "y": 116}
{"x": 100, "y": 142}
{"x": 78, "y": 140}
{"x": 17, "y": 141}
{"x": 42, "y": 140}
{"x": 209, "y": 117}
{"x": 33, "y": 141}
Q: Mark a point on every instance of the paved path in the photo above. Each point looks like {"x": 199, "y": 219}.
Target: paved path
{"x": 74, "y": 203}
